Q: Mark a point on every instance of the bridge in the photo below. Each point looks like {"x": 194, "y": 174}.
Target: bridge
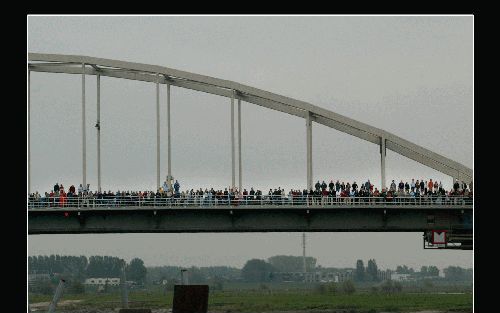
{"x": 230, "y": 218}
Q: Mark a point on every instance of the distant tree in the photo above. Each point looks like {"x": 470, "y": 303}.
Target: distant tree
{"x": 196, "y": 276}
{"x": 433, "y": 271}
{"x": 348, "y": 287}
{"x": 390, "y": 286}
{"x": 404, "y": 270}
{"x": 136, "y": 270}
{"x": 359, "y": 275}
{"x": 457, "y": 273}
{"x": 256, "y": 270}
{"x": 289, "y": 263}
{"x": 372, "y": 270}
{"x": 424, "y": 271}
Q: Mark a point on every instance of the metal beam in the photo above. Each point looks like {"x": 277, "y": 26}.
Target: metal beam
{"x": 309, "y": 151}
{"x": 138, "y": 71}
{"x": 29, "y": 132}
{"x": 157, "y": 132}
{"x": 382, "y": 162}
{"x": 84, "y": 140}
{"x": 239, "y": 147}
{"x": 174, "y": 82}
{"x": 169, "y": 155}
{"x": 98, "y": 126}
{"x": 232, "y": 143}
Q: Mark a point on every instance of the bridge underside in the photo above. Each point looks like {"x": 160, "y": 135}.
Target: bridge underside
{"x": 233, "y": 220}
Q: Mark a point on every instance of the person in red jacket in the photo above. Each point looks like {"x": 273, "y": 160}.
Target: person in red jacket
{"x": 62, "y": 198}
{"x": 430, "y": 185}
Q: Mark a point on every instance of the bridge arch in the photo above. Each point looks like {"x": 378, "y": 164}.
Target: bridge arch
{"x": 84, "y": 65}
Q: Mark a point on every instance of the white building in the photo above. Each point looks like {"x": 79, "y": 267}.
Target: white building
{"x": 102, "y": 281}
{"x": 400, "y": 277}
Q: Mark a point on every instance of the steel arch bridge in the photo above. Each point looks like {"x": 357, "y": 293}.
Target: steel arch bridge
{"x": 221, "y": 221}
{"x": 84, "y": 65}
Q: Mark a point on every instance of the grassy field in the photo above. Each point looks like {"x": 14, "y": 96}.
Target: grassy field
{"x": 265, "y": 301}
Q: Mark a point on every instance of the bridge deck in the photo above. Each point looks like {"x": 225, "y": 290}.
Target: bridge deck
{"x": 283, "y": 218}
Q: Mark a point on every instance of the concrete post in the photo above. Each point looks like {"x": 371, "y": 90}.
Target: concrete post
{"x": 98, "y": 125}
{"x": 84, "y": 145}
{"x": 232, "y": 143}
{"x": 309, "y": 150}
{"x": 239, "y": 147}
{"x": 29, "y": 132}
{"x": 382, "y": 162}
{"x": 57, "y": 296}
{"x": 157, "y": 131}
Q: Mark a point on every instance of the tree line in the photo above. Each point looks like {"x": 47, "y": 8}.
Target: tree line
{"x": 254, "y": 270}
{"x": 81, "y": 267}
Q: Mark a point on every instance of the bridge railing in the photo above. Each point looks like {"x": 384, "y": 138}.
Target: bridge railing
{"x": 247, "y": 201}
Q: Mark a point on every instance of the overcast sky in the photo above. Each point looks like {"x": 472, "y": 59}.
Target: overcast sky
{"x": 412, "y": 76}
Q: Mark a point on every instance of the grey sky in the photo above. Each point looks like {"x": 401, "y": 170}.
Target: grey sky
{"x": 408, "y": 75}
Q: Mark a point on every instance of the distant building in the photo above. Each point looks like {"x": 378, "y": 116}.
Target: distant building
{"x": 102, "y": 281}
{"x": 384, "y": 275}
{"x": 343, "y": 276}
{"x": 35, "y": 278}
{"x": 401, "y": 277}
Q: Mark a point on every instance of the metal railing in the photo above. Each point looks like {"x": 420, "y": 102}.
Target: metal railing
{"x": 208, "y": 200}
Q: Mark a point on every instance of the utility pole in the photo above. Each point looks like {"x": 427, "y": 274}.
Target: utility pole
{"x": 304, "y": 254}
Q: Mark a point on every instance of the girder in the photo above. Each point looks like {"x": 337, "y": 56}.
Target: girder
{"x": 71, "y": 64}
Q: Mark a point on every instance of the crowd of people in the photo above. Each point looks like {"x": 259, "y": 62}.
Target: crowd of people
{"x": 418, "y": 191}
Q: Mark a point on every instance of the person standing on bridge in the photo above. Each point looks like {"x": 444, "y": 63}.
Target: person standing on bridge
{"x": 177, "y": 186}
{"x": 317, "y": 186}
{"x": 430, "y": 185}
{"x": 354, "y": 186}
{"x": 464, "y": 186}
{"x": 56, "y": 188}
{"x": 412, "y": 185}
{"x": 323, "y": 186}
{"x": 422, "y": 185}
{"x": 331, "y": 185}
{"x": 393, "y": 186}
{"x": 401, "y": 186}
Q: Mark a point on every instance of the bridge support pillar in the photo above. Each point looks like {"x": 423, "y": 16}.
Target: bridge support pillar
{"x": 239, "y": 147}
{"x": 84, "y": 146}
{"x": 309, "y": 150}
{"x": 29, "y": 129}
{"x": 98, "y": 126}
{"x": 157, "y": 131}
{"x": 382, "y": 162}
{"x": 169, "y": 155}
{"x": 232, "y": 143}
